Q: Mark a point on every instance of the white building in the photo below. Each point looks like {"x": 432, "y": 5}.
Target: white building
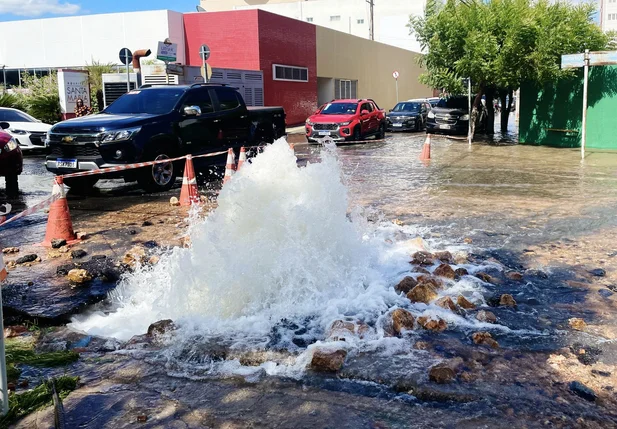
{"x": 350, "y": 16}
{"x": 608, "y": 15}
{"x": 44, "y": 44}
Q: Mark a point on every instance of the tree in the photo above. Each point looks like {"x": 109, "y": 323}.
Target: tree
{"x": 95, "y": 79}
{"x": 501, "y": 43}
{"x": 40, "y": 97}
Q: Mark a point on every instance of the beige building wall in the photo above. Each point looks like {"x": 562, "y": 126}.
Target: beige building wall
{"x": 223, "y": 5}
{"x": 342, "y": 56}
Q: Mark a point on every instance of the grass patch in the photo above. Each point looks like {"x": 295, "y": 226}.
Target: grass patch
{"x": 22, "y": 404}
{"x": 22, "y": 352}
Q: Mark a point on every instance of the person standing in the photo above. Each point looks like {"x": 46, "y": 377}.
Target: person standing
{"x": 81, "y": 109}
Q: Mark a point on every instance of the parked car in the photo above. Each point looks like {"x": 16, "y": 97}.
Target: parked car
{"x": 450, "y": 116}
{"x": 433, "y": 101}
{"x": 347, "y": 120}
{"x": 11, "y": 161}
{"x": 162, "y": 122}
{"x": 408, "y": 115}
{"x": 29, "y": 133}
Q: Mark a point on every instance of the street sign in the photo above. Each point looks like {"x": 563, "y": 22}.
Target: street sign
{"x": 206, "y": 71}
{"x": 126, "y": 56}
{"x": 167, "y": 52}
{"x": 395, "y": 74}
{"x": 572, "y": 61}
{"x": 605, "y": 58}
{"x": 204, "y": 52}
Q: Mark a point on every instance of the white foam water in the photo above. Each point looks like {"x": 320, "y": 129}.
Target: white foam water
{"x": 279, "y": 247}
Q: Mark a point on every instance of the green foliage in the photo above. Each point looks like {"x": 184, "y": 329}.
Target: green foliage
{"x": 41, "y": 98}
{"x": 11, "y": 100}
{"x": 22, "y": 352}
{"x": 96, "y": 69}
{"x": 22, "y": 404}
{"x": 501, "y": 43}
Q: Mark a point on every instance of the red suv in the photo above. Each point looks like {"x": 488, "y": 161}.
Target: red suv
{"x": 11, "y": 160}
{"x": 346, "y": 120}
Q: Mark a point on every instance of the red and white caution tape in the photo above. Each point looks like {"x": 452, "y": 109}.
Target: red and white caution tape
{"x": 43, "y": 204}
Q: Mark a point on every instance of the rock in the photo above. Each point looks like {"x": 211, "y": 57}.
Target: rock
{"x": 445, "y": 270}
{"x": 441, "y": 374}
{"x": 136, "y": 255}
{"x": 433, "y": 281}
{"x": 398, "y": 222}
{"x": 405, "y": 285}
{"x": 82, "y": 235}
{"x": 185, "y": 242}
{"x": 468, "y": 240}
{"x": 14, "y": 331}
{"x": 79, "y": 253}
{"x": 445, "y": 257}
{"x": 583, "y": 391}
{"x": 153, "y": 260}
{"x": 577, "y": 324}
{"x": 601, "y": 373}
{"x": 422, "y": 293}
{"x": 486, "y": 317}
{"x": 38, "y": 259}
{"x": 341, "y": 328}
{"x": 161, "y": 328}
{"x": 147, "y": 223}
{"x": 64, "y": 249}
{"x": 436, "y": 325}
{"x": 460, "y": 272}
{"x": 484, "y": 338}
{"x": 79, "y": 276}
{"x": 598, "y": 272}
{"x": 63, "y": 270}
{"x": 462, "y": 302}
{"x": 421, "y": 270}
{"x": 10, "y": 250}
{"x": 173, "y": 201}
{"x": 57, "y": 243}
{"x": 328, "y": 361}
{"x": 467, "y": 377}
{"x": 402, "y": 320}
{"x": 422, "y": 258}
{"x": 422, "y": 345}
{"x": 514, "y": 275}
{"x": 11, "y": 264}
{"x": 447, "y": 303}
{"x": 485, "y": 277}
{"x": 507, "y": 300}
{"x": 25, "y": 259}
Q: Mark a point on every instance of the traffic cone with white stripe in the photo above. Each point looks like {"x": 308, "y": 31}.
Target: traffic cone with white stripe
{"x": 229, "y": 167}
{"x": 242, "y": 158}
{"x": 3, "y": 272}
{"x": 59, "y": 225}
{"x": 189, "y": 194}
{"x": 426, "y": 149}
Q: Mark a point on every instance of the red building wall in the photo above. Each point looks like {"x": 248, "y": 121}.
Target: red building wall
{"x": 255, "y": 40}
{"x": 288, "y": 42}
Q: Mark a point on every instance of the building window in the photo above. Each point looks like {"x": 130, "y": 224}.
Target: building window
{"x": 310, "y": 19}
{"x": 292, "y": 73}
{"x": 335, "y": 18}
{"x": 360, "y": 21}
{"x": 345, "y": 88}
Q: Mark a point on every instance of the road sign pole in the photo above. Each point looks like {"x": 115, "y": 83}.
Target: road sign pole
{"x": 396, "y": 80}
{"x": 469, "y": 136}
{"x": 584, "y": 124}
{"x": 203, "y": 61}
{"x": 128, "y": 75}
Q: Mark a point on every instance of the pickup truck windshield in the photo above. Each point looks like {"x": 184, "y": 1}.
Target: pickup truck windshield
{"x": 407, "y": 107}
{"x": 454, "y": 103}
{"x": 152, "y": 101}
{"x": 339, "y": 109}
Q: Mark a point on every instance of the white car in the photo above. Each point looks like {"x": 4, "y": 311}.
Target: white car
{"x": 28, "y": 132}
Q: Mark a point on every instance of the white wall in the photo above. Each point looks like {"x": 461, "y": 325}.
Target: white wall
{"x": 75, "y": 41}
{"x": 391, "y": 16}
{"x": 608, "y": 16}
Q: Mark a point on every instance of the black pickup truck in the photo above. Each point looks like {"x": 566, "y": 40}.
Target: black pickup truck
{"x": 153, "y": 123}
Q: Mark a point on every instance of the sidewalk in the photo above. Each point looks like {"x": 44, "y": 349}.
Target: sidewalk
{"x": 296, "y": 134}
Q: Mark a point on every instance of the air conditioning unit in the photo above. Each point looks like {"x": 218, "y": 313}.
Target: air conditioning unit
{"x": 114, "y": 85}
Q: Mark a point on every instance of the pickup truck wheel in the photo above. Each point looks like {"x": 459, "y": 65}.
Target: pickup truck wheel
{"x": 158, "y": 177}
{"x": 12, "y": 185}
{"x": 80, "y": 185}
{"x": 382, "y": 132}
{"x": 357, "y": 134}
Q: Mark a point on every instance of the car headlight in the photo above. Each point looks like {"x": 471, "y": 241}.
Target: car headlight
{"x": 308, "y": 122}
{"x": 119, "y": 135}
{"x": 431, "y": 115}
{"x": 47, "y": 139}
{"x": 18, "y": 132}
{"x": 343, "y": 124}
{"x": 464, "y": 118}
{"x": 11, "y": 145}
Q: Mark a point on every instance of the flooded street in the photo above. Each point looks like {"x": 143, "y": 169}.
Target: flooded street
{"x": 294, "y": 264}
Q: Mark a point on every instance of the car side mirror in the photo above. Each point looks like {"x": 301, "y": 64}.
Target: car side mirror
{"x": 4, "y": 125}
{"x": 192, "y": 111}
{"x": 390, "y": 110}
{"x": 364, "y": 113}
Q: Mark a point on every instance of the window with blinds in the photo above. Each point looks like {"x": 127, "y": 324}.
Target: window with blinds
{"x": 290, "y": 73}
{"x": 344, "y": 88}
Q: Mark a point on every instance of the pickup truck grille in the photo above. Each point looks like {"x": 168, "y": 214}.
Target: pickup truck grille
{"x": 73, "y": 138}
{"x": 446, "y": 119}
{"x": 325, "y": 127}
{"x": 66, "y": 151}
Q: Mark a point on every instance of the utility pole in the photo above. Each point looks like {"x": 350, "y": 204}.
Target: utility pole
{"x": 371, "y": 19}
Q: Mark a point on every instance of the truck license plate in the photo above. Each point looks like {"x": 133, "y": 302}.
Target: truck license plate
{"x": 66, "y": 163}
{"x": 324, "y": 133}
{"x": 446, "y": 127}
{"x": 397, "y": 125}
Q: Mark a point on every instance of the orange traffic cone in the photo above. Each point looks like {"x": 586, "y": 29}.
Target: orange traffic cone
{"x": 229, "y": 167}
{"x": 242, "y": 158}
{"x": 426, "y": 149}
{"x": 59, "y": 225}
{"x": 3, "y": 272}
{"x": 189, "y": 194}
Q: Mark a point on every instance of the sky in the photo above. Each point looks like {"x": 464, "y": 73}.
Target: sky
{"x": 12, "y": 10}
